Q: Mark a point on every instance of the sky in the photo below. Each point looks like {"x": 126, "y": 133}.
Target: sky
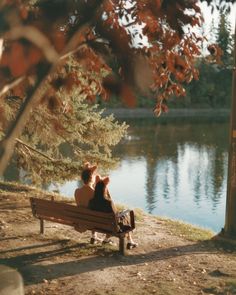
{"x": 208, "y": 16}
{"x": 136, "y": 29}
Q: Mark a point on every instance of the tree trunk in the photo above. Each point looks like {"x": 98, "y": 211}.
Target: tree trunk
{"x": 230, "y": 220}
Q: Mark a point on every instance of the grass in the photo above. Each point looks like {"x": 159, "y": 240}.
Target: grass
{"x": 187, "y": 231}
{"x": 138, "y": 213}
{"x": 15, "y": 188}
{"x": 227, "y": 287}
{"x": 231, "y": 286}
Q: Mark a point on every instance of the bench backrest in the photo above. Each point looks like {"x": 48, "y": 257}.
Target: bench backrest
{"x": 73, "y": 215}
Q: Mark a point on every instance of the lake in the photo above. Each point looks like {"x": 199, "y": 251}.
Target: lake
{"x": 174, "y": 168}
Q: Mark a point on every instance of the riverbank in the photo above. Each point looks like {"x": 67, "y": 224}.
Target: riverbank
{"x": 172, "y": 258}
{"x": 136, "y": 113}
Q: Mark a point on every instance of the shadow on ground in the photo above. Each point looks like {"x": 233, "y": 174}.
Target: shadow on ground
{"x": 35, "y": 267}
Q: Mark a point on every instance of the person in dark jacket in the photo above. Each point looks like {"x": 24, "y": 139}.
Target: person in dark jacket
{"x": 102, "y": 202}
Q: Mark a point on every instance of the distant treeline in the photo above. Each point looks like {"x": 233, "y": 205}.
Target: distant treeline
{"x": 213, "y": 89}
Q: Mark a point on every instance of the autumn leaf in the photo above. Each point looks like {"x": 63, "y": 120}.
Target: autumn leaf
{"x": 70, "y": 81}
{"x": 17, "y": 61}
{"x": 128, "y": 96}
{"x": 19, "y": 90}
{"x": 23, "y": 12}
{"x": 34, "y": 55}
{"x": 58, "y": 39}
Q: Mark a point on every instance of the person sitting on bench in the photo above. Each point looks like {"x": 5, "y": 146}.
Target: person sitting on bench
{"x": 103, "y": 202}
{"x": 85, "y": 193}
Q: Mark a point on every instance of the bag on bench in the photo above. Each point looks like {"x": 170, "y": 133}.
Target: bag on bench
{"x": 124, "y": 220}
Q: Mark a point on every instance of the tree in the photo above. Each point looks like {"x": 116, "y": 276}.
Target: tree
{"x": 151, "y": 41}
{"x": 65, "y": 129}
{"x": 214, "y": 86}
{"x": 54, "y": 145}
{"x": 230, "y": 218}
{"x": 224, "y": 38}
{"x": 64, "y": 119}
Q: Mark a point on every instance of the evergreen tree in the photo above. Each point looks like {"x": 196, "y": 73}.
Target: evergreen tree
{"x": 65, "y": 129}
{"x": 213, "y": 89}
{"x": 224, "y": 38}
{"x": 212, "y": 31}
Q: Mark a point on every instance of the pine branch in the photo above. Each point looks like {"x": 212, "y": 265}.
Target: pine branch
{"x": 35, "y": 150}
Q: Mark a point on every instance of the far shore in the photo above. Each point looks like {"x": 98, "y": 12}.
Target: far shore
{"x": 141, "y": 113}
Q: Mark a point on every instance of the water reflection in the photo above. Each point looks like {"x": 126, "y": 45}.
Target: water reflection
{"x": 151, "y": 184}
{"x": 175, "y": 170}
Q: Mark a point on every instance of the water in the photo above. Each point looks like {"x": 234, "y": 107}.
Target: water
{"x": 175, "y": 169}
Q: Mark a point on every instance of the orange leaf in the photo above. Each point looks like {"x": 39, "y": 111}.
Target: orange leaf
{"x": 128, "y": 96}
{"x": 71, "y": 81}
{"x": 34, "y": 55}
{"x": 19, "y": 91}
{"x": 18, "y": 63}
{"x": 23, "y": 12}
{"x": 59, "y": 40}
{"x": 158, "y": 3}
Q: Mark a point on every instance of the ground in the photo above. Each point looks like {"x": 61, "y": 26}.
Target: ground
{"x": 172, "y": 258}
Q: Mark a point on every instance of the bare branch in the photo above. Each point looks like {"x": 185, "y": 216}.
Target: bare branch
{"x": 35, "y": 36}
{"x": 11, "y": 85}
{"x": 1, "y": 47}
{"x": 14, "y": 83}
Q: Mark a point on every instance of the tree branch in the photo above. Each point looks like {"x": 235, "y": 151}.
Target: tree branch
{"x": 36, "y": 37}
{"x": 11, "y": 85}
{"x": 35, "y": 150}
{"x": 14, "y": 83}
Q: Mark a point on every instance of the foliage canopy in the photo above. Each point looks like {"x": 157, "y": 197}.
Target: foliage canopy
{"x": 116, "y": 46}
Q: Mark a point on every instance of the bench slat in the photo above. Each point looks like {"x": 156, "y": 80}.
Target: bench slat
{"x": 65, "y": 214}
{"x": 84, "y": 211}
{"x": 47, "y": 214}
{"x": 86, "y": 224}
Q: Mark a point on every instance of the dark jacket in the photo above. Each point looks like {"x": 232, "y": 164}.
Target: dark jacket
{"x": 103, "y": 206}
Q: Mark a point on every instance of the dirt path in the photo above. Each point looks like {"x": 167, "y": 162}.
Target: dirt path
{"x": 63, "y": 262}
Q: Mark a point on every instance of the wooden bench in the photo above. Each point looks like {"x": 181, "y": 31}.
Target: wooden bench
{"x": 80, "y": 218}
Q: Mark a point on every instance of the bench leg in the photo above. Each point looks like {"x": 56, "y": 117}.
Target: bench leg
{"x": 41, "y": 226}
{"x": 122, "y": 245}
